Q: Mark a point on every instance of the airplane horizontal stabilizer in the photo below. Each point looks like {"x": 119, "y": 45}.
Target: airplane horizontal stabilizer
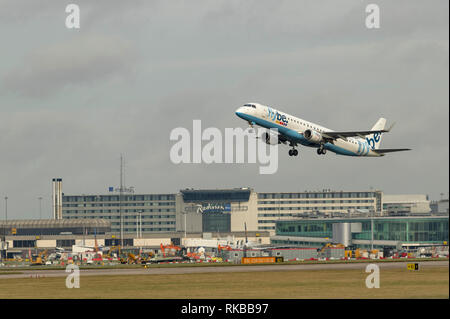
{"x": 391, "y": 150}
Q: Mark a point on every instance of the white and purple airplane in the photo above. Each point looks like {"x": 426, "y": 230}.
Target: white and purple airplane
{"x": 295, "y": 131}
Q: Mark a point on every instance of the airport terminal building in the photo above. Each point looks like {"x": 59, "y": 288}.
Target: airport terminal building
{"x": 404, "y": 205}
{"x": 156, "y": 212}
{"x": 363, "y": 232}
{"x": 215, "y": 210}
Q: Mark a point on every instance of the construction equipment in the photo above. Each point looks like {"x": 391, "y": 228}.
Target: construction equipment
{"x": 329, "y": 245}
{"x": 193, "y": 255}
{"x": 132, "y": 259}
{"x": 328, "y": 251}
{"x": 123, "y": 258}
{"x": 170, "y": 253}
{"x": 109, "y": 255}
{"x": 221, "y": 249}
{"x": 145, "y": 257}
{"x": 140, "y": 259}
{"x": 348, "y": 254}
{"x": 227, "y": 247}
{"x": 40, "y": 259}
{"x": 170, "y": 250}
{"x": 217, "y": 259}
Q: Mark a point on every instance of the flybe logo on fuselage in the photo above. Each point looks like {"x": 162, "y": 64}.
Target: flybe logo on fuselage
{"x": 277, "y": 117}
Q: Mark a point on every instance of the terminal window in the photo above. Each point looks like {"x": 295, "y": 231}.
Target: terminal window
{"x": 216, "y": 222}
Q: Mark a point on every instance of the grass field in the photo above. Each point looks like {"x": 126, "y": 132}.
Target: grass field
{"x": 430, "y": 282}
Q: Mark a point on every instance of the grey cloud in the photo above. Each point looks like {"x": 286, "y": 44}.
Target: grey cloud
{"x": 82, "y": 61}
{"x": 19, "y": 11}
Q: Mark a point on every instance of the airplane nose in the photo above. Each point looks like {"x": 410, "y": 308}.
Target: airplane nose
{"x": 239, "y": 112}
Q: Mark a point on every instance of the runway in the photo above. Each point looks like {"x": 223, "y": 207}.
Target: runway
{"x": 216, "y": 269}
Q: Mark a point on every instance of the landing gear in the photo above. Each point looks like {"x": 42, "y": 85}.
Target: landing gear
{"x": 293, "y": 152}
{"x": 321, "y": 150}
{"x": 251, "y": 128}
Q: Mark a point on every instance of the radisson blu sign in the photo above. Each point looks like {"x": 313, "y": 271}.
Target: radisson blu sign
{"x": 215, "y": 208}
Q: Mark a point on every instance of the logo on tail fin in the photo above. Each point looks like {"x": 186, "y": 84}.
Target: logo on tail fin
{"x": 373, "y": 140}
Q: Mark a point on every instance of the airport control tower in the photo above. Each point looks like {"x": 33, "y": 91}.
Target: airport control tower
{"x": 57, "y": 198}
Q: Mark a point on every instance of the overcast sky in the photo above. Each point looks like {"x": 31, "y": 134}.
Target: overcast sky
{"x": 71, "y": 101}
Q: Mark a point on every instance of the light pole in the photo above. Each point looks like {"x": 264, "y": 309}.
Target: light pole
{"x": 6, "y": 208}
{"x": 184, "y": 226}
{"x": 139, "y": 225}
{"x": 120, "y": 201}
{"x": 6, "y": 221}
{"x": 121, "y": 217}
{"x": 371, "y": 224}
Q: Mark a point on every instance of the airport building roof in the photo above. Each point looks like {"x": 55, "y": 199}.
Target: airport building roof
{"x": 357, "y": 218}
{"x": 235, "y": 194}
{"x": 23, "y": 227}
{"x": 54, "y": 223}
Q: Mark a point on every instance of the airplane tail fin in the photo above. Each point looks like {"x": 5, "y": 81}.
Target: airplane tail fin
{"x": 374, "y": 140}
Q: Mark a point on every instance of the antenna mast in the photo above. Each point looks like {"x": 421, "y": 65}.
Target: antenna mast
{"x": 120, "y": 200}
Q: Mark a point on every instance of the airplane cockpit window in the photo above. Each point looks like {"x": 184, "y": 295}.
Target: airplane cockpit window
{"x": 250, "y": 105}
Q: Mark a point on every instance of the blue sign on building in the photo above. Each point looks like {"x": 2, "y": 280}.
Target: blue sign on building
{"x": 216, "y": 208}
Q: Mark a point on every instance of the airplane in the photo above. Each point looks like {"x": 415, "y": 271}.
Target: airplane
{"x": 296, "y": 131}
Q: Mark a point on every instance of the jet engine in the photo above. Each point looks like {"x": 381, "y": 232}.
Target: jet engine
{"x": 313, "y": 136}
{"x": 270, "y": 139}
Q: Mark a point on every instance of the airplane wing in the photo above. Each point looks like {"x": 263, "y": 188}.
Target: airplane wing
{"x": 335, "y": 135}
{"x": 390, "y": 150}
